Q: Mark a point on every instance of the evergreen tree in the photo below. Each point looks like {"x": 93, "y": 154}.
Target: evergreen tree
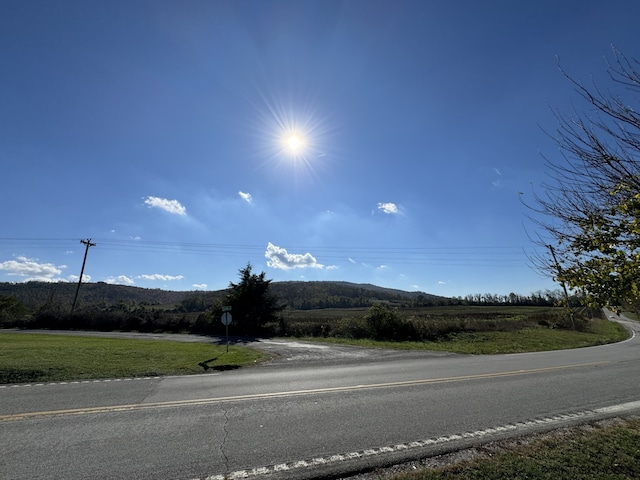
{"x": 252, "y": 304}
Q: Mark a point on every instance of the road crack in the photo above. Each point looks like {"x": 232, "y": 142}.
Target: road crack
{"x": 224, "y": 441}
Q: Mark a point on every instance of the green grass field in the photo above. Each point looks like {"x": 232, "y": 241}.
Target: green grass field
{"x": 26, "y": 358}
{"x": 599, "y": 332}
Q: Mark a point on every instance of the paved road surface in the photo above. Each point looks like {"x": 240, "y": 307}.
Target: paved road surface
{"x": 315, "y": 409}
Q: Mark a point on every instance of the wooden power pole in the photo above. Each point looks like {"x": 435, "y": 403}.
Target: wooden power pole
{"x": 87, "y": 243}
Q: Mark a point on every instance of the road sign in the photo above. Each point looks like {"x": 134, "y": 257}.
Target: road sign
{"x": 226, "y": 308}
{"x": 226, "y": 318}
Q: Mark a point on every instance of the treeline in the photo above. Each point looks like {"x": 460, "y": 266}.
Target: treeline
{"x": 539, "y": 299}
{"x": 296, "y": 295}
{"x": 35, "y": 296}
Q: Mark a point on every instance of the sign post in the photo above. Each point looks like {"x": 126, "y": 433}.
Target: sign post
{"x": 226, "y": 320}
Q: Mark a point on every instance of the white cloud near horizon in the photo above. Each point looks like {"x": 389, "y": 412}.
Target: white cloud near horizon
{"x": 278, "y": 257}
{"x": 172, "y": 206}
{"x": 158, "y": 276}
{"x": 120, "y": 279}
{"x": 30, "y": 269}
{"x": 85, "y": 278}
{"x": 388, "y": 208}
{"x": 246, "y": 196}
{"x": 200, "y": 286}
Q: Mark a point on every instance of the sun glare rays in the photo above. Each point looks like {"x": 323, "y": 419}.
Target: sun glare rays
{"x": 293, "y": 140}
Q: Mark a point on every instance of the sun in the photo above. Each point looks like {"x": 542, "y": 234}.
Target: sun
{"x": 294, "y": 143}
{"x": 293, "y": 135}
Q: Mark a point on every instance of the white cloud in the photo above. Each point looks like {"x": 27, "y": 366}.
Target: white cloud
{"x": 278, "y": 257}
{"x": 351, "y": 260}
{"x": 31, "y": 269}
{"x": 382, "y": 267}
{"x": 246, "y": 197}
{"x": 85, "y": 278}
{"x": 498, "y": 172}
{"x": 200, "y": 286}
{"x": 120, "y": 279}
{"x": 388, "y": 208}
{"x": 171, "y": 206}
{"x": 164, "y": 278}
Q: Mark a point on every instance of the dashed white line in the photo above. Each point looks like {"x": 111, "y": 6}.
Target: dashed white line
{"x": 77, "y": 382}
{"x": 418, "y": 444}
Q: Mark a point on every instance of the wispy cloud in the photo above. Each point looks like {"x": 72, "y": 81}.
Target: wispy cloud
{"x": 200, "y": 286}
{"x": 29, "y": 269}
{"x": 172, "y": 206}
{"x": 388, "y": 208}
{"x": 120, "y": 279}
{"x": 278, "y": 257}
{"x": 246, "y": 197}
{"x": 158, "y": 276}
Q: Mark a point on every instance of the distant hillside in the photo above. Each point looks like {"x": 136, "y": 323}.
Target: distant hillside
{"x": 297, "y": 295}
{"x": 310, "y": 295}
{"x": 35, "y": 294}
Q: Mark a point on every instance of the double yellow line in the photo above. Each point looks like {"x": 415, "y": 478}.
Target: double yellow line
{"x": 212, "y": 400}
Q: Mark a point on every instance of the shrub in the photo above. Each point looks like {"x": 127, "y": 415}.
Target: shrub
{"x": 350, "y": 327}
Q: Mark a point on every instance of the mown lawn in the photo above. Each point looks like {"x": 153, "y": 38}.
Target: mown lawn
{"x": 26, "y": 358}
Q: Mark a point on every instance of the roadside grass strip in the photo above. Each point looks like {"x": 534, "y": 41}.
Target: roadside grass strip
{"x": 37, "y": 359}
{"x": 455, "y": 442}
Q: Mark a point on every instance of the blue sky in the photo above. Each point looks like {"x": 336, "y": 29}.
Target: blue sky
{"x": 162, "y": 130}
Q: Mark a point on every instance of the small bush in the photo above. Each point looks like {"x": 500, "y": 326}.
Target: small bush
{"x": 350, "y": 327}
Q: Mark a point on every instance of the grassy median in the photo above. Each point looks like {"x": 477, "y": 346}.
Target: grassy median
{"x": 26, "y": 358}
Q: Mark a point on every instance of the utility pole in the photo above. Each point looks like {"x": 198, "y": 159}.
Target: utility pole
{"x": 87, "y": 244}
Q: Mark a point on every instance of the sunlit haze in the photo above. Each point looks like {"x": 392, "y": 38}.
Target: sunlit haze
{"x": 389, "y": 142}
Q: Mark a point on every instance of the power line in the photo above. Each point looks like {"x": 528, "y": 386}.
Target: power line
{"x": 472, "y": 256}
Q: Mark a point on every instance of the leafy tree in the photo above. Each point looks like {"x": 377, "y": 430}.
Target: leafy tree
{"x": 252, "y": 304}
{"x": 12, "y": 312}
{"x": 591, "y": 208}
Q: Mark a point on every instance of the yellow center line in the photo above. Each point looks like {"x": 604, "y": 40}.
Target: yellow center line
{"x": 206, "y": 401}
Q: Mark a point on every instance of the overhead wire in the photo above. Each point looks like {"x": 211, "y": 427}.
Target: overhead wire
{"x": 479, "y": 256}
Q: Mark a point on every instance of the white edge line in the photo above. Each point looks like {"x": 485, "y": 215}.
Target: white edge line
{"x": 417, "y": 444}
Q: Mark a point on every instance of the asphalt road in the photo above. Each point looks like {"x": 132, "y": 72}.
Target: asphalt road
{"x": 314, "y": 410}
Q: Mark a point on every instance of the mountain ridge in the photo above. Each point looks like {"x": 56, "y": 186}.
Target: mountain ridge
{"x": 296, "y": 294}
